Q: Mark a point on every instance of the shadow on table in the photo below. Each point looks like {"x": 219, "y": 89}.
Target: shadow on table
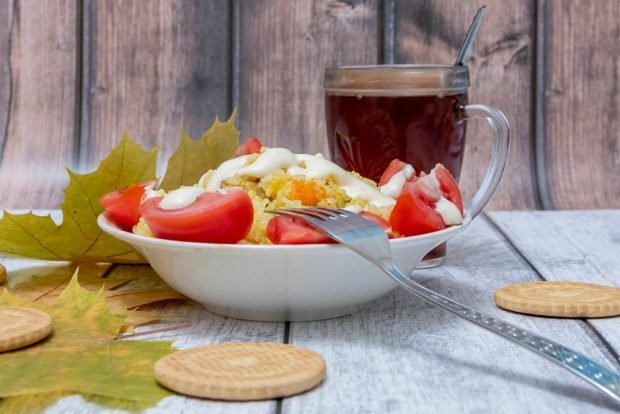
{"x": 585, "y": 393}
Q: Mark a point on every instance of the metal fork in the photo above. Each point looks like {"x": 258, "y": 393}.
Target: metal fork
{"x": 369, "y": 240}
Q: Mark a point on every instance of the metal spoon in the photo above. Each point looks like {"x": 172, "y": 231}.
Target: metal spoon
{"x": 469, "y": 38}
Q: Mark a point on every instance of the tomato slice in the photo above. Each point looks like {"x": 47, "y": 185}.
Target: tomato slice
{"x": 385, "y": 225}
{"x": 449, "y": 187}
{"x": 123, "y": 206}
{"x": 215, "y": 217}
{"x": 395, "y": 166}
{"x": 414, "y": 212}
{"x": 290, "y": 230}
{"x": 251, "y": 145}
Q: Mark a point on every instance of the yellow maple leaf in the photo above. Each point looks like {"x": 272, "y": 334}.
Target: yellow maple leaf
{"x": 193, "y": 158}
{"x": 78, "y": 238}
{"x": 82, "y": 354}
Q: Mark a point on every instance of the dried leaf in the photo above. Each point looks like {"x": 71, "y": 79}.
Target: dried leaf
{"x": 138, "y": 318}
{"x": 44, "y": 285}
{"x": 130, "y": 299}
{"x": 82, "y": 355}
{"x": 42, "y": 276}
{"x": 193, "y": 158}
{"x": 78, "y": 238}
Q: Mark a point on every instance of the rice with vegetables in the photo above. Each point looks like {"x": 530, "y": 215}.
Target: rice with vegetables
{"x": 274, "y": 178}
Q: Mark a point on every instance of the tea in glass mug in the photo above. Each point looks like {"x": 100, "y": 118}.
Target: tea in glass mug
{"x": 415, "y": 113}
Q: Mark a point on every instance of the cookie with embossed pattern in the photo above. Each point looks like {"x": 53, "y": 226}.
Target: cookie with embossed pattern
{"x": 241, "y": 371}
{"x": 20, "y": 327}
{"x": 560, "y": 299}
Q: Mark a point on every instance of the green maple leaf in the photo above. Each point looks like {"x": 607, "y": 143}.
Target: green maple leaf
{"x": 82, "y": 354}
{"x": 78, "y": 238}
{"x": 193, "y": 158}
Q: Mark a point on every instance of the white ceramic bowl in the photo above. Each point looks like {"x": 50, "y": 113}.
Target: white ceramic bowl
{"x": 277, "y": 283}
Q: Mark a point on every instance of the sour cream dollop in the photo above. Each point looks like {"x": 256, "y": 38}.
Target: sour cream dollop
{"x": 180, "y": 198}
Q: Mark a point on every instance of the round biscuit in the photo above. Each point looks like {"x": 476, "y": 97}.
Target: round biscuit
{"x": 241, "y": 371}
{"x": 560, "y": 299}
{"x": 20, "y": 327}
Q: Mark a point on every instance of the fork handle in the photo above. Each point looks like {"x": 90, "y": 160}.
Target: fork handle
{"x": 599, "y": 376}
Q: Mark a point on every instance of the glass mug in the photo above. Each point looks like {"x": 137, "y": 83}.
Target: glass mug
{"x": 412, "y": 112}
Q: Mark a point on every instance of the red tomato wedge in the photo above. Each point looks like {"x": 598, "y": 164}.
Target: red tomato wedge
{"x": 289, "y": 230}
{"x": 379, "y": 220}
{"x": 251, "y": 145}
{"x": 123, "y": 206}
{"x": 414, "y": 212}
{"x": 395, "y": 166}
{"x": 215, "y": 217}
{"x": 449, "y": 187}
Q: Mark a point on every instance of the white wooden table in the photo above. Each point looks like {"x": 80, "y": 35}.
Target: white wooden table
{"x": 400, "y": 355}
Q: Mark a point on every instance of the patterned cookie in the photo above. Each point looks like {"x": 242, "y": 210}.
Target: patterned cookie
{"x": 21, "y": 327}
{"x": 241, "y": 371}
{"x": 561, "y": 299}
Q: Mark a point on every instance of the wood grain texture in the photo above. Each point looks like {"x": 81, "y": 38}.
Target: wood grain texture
{"x": 580, "y": 138}
{"x": 577, "y": 246}
{"x": 151, "y": 67}
{"x": 501, "y": 67}
{"x": 6, "y": 16}
{"x": 39, "y": 64}
{"x": 401, "y": 355}
{"x": 284, "y": 48}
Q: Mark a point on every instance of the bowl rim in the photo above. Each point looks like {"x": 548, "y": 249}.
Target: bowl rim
{"x": 111, "y": 229}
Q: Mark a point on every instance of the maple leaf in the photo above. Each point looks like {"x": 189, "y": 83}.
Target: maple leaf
{"x": 82, "y": 354}
{"x": 78, "y": 238}
{"x": 193, "y": 158}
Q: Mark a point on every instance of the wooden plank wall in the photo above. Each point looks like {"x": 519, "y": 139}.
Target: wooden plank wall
{"x": 74, "y": 74}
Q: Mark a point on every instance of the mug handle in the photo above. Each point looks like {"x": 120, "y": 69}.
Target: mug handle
{"x": 501, "y": 144}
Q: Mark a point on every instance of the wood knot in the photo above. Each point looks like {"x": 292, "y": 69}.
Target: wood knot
{"x": 339, "y": 8}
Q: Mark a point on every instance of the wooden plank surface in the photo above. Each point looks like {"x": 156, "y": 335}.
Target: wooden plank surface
{"x": 500, "y": 67}
{"x": 284, "y": 48}
{"x": 401, "y": 355}
{"x": 579, "y": 246}
{"x": 37, "y": 102}
{"x": 580, "y": 139}
{"x": 6, "y": 17}
{"x": 149, "y": 68}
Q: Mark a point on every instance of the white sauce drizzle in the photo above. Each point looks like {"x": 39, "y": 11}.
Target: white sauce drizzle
{"x": 180, "y": 198}
{"x": 395, "y": 185}
{"x": 308, "y": 166}
{"x": 449, "y": 212}
{"x": 212, "y": 179}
